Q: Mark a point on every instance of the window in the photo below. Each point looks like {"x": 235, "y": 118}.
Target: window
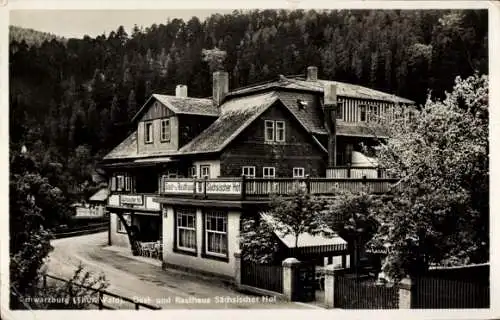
{"x": 280, "y": 131}
{"x": 269, "y": 134}
{"x": 205, "y": 171}
{"x": 122, "y": 182}
{"x": 186, "y": 230}
{"x": 373, "y": 113}
{"x": 340, "y": 111}
{"x": 274, "y": 131}
{"x": 148, "y": 132}
{"x": 298, "y": 172}
{"x": 216, "y": 234}
{"x": 192, "y": 171}
{"x": 362, "y": 113}
{"x": 248, "y": 171}
{"x": 120, "y": 228}
{"x": 268, "y": 172}
{"x": 165, "y": 130}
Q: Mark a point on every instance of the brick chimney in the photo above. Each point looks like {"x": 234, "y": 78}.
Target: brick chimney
{"x": 220, "y": 86}
{"x": 181, "y": 91}
{"x": 330, "y": 108}
{"x": 312, "y": 73}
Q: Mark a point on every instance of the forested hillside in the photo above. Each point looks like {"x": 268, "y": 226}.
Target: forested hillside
{"x": 71, "y": 101}
{"x": 31, "y": 37}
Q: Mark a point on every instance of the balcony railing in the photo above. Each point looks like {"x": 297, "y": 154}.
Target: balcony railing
{"x": 356, "y": 172}
{"x": 257, "y": 188}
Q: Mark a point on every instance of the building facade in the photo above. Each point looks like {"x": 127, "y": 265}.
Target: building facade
{"x": 195, "y": 167}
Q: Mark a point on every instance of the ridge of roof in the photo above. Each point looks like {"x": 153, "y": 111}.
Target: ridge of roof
{"x": 344, "y": 89}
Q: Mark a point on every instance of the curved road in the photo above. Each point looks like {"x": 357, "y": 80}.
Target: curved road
{"x": 147, "y": 282}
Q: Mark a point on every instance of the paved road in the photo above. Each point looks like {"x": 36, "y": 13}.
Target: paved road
{"x": 168, "y": 289}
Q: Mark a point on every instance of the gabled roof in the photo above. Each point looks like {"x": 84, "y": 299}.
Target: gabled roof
{"x": 236, "y": 115}
{"x": 343, "y": 89}
{"x": 178, "y": 105}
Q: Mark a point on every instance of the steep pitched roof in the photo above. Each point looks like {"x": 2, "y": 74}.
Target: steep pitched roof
{"x": 178, "y": 105}
{"x": 188, "y": 105}
{"x": 343, "y": 89}
{"x": 236, "y": 115}
{"x": 310, "y": 116}
{"x": 126, "y": 149}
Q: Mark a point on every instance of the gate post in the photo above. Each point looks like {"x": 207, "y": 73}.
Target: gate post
{"x": 330, "y": 271}
{"x": 405, "y": 287}
{"x": 237, "y": 270}
{"x": 290, "y": 266}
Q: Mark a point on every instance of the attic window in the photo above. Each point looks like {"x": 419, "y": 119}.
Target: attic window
{"x": 301, "y": 104}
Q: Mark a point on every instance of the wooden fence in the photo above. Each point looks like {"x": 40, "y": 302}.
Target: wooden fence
{"x": 353, "y": 293}
{"x": 101, "y": 294}
{"x": 267, "y": 277}
{"x": 437, "y": 293}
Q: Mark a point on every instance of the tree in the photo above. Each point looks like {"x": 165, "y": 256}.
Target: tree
{"x": 36, "y": 207}
{"x": 351, "y": 216}
{"x": 215, "y": 58}
{"x": 441, "y": 214}
{"x": 296, "y": 214}
{"x": 258, "y": 241}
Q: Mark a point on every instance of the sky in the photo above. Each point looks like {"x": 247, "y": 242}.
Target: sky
{"x": 77, "y": 23}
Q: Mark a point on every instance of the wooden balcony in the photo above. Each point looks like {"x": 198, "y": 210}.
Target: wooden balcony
{"x": 348, "y": 172}
{"x": 261, "y": 188}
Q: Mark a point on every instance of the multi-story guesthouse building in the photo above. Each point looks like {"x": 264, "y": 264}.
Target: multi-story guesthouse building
{"x": 194, "y": 167}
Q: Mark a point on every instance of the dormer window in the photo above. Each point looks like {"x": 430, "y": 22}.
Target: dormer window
{"x": 301, "y": 104}
{"x": 148, "y": 132}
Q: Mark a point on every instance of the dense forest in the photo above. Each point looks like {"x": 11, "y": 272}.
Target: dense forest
{"x": 71, "y": 99}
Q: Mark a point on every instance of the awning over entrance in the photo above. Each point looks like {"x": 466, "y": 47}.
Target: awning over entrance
{"x": 326, "y": 242}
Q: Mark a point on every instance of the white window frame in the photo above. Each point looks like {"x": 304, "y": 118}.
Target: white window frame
{"x": 269, "y": 125}
{"x": 273, "y": 175}
{"x": 188, "y": 214}
{"x": 147, "y": 133}
{"x": 278, "y": 130}
{"x": 119, "y": 226}
{"x": 192, "y": 171}
{"x": 165, "y": 130}
{"x": 224, "y": 236}
{"x": 250, "y": 171}
{"x": 298, "y": 172}
{"x": 204, "y": 166}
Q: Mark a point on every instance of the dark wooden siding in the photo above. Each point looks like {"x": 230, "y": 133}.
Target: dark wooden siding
{"x": 250, "y": 149}
{"x": 156, "y": 110}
